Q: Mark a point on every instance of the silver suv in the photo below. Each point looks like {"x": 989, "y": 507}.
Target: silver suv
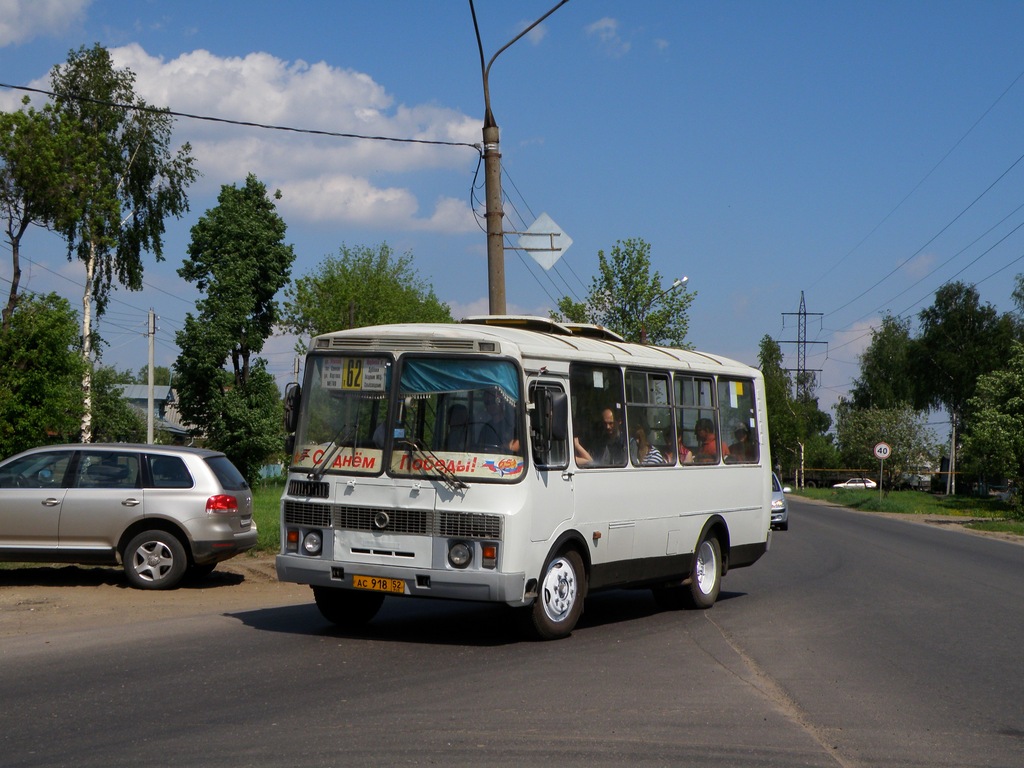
{"x": 161, "y": 511}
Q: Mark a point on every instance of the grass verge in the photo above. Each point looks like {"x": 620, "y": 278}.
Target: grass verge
{"x": 985, "y": 514}
{"x": 266, "y": 511}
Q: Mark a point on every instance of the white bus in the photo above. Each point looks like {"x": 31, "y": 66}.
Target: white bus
{"x": 523, "y": 461}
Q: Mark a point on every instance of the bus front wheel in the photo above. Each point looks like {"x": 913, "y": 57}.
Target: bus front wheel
{"x": 559, "y": 603}
{"x": 347, "y": 608}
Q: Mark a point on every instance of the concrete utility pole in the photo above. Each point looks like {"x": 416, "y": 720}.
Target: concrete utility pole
{"x": 492, "y": 176}
{"x": 150, "y": 431}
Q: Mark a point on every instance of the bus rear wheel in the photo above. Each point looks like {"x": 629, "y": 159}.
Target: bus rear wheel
{"x": 347, "y": 608}
{"x": 704, "y": 581}
{"x": 559, "y": 603}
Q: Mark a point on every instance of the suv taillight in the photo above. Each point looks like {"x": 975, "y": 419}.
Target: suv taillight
{"x": 221, "y": 504}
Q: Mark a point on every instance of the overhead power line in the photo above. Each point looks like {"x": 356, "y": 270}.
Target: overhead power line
{"x": 248, "y": 124}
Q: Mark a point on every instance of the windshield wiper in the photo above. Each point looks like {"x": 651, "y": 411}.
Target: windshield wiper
{"x": 445, "y": 475}
{"x": 334, "y": 447}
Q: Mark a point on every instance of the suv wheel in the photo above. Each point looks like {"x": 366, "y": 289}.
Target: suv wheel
{"x": 154, "y": 560}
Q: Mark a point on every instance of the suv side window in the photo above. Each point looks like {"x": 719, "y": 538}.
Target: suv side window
{"x": 107, "y": 469}
{"x": 227, "y": 474}
{"x": 169, "y": 472}
{"x": 38, "y": 470}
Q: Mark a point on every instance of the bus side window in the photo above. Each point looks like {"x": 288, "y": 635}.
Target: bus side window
{"x": 549, "y": 426}
{"x": 739, "y": 420}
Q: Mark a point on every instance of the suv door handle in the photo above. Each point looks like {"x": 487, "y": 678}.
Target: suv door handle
{"x": 130, "y": 503}
{"x": 51, "y": 502}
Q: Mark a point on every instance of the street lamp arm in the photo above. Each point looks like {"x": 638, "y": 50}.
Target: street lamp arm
{"x": 489, "y": 118}
{"x": 643, "y": 313}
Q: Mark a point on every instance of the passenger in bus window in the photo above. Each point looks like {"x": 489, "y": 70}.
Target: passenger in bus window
{"x": 646, "y": 454}
{"x": 498, "y": 432}
{"x": 685, "y": 454}
{"x": 707, "y": 443}
{"x": 743, "y": 449}
{"x": 609, "y": 449}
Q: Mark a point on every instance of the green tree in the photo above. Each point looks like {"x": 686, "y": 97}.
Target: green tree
{"x": 960, "y": 339}
{"x": 906, "y": 431}
{"x": 125, "y": 181}
{"x": 238, "y": 258}
{"x": 114, "y": 419}
{"x": 40, "y": 375}
{"x": 994, "y": 443}
{"x": 627, "y": 298}
{"x": 883, "y": 381}
{"x": 161, "y": 376}
{"x": 360, "y": 286}
{"x": 782, "y": 427}
{"x": 31, "y": 175}
{"x": 797, "y": 428}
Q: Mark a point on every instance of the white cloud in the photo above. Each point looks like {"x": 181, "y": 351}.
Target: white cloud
{"x": 22, "y": 20}
{"x": 323, "y": 178}
{"x": 606, "y": 31}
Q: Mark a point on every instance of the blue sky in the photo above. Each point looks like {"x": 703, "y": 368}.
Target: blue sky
{"x": 860, "y": 152}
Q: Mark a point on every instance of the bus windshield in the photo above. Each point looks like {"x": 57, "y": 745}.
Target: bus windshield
{"x": 343, "y": 417}
{"x": 460, "y": 416}
{"x": 455, "y": 418}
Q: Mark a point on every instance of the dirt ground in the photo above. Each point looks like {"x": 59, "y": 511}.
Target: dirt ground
{"x": 43, "y": 598}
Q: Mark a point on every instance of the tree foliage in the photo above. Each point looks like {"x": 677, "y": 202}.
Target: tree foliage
{"x": 960, "y": 339}
{"x": 40, "y": 384}
{"x": 238, "y": 257}
{"x": 994, "y": 444}
{"x": 797, "y": 428}
{"x": 125, "y": 179}
{"x": 32, "y": 144}
{"x": 626, "y": 297}
{"x": 859, "y": 430}
{"x": 114, "y": 419}
{"x": 883, "y": 381}
{"x": 361, "y": 286}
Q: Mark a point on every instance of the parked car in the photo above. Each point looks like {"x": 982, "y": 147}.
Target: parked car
{"x": 159, "y": 511}
{"x": 860, "y": 483}
{"x": 780, "y": 507}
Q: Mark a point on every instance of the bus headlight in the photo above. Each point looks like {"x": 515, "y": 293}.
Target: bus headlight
{"x": 313, "y": 542}
{"x": 459, "y": 555}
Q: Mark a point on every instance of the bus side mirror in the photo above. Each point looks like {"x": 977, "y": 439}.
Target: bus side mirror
{"x": 291, "y": 406}
{"x": 559, "y": 416}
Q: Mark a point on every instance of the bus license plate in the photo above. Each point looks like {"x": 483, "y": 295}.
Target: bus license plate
{"x": 379, "y": 584}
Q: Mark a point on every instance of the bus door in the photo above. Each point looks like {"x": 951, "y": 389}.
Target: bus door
{"x": 551, "y": 482}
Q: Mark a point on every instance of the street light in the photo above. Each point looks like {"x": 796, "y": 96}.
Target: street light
{"x": 679, "y": 281}
{"x": 492, "y": 177}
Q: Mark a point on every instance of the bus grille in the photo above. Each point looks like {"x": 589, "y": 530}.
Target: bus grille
{"x": 414, "y": 521}
{"x": 301, "y": 513}
{"x": 418, "y": 522}
{"x": 468, "y": 525}
{"x": 308, "y": 489}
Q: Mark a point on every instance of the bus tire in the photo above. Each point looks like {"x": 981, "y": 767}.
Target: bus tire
{"x": 705, "y": 574}
{"x": 560, "y": 595}
{"x": 347, "y": 608}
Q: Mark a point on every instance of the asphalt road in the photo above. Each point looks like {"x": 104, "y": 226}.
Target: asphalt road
{"x": 857, "y": 641}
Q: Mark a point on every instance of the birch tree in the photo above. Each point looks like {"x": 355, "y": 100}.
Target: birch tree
{"x": 125, "y": 181}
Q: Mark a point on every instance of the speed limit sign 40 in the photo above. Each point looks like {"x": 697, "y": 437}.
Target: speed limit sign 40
{"x": 882, "y": 451}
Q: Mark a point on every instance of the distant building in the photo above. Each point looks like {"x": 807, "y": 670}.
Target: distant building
{"x": 166, "y": 417}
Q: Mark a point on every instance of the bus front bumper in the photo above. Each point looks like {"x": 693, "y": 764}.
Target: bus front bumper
{"x": 479, "y": 585}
